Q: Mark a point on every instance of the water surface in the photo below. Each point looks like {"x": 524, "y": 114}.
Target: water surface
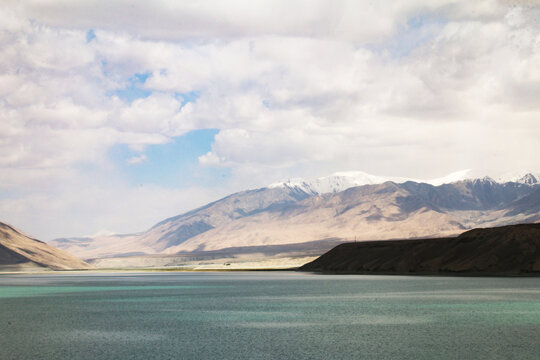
{"x": 274, "y": 315}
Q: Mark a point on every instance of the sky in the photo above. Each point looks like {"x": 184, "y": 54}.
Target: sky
{"x": 117, "y": 114}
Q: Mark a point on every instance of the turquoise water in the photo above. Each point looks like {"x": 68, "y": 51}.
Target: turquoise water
{"x": 274, "y": 315}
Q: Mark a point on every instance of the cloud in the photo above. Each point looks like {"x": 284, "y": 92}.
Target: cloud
{"x": 181, "y": 20}
{"x": 396, "y": 88}
{"x": 88, "y": 208}
{"x": 137, "y": 159}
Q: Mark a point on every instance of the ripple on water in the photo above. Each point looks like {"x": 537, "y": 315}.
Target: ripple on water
{"x": 268, "y": 316}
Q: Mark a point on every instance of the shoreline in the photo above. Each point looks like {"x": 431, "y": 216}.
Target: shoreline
{"x": 273, "y": 270}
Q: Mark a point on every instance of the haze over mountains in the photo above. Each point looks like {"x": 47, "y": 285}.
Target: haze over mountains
{"x": 298, "y": 215}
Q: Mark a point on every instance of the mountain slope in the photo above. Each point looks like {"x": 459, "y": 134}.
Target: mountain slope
{"x": 382, "y": 211}
{"x": 362, "y": 212}
{"x": 284, "y": 215}
{"x": 18, "y": 250}
{"x": 509, "y": 250}
{"x": 176, "y": 230}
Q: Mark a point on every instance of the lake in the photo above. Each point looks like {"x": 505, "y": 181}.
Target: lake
{"x": 267, "y": 315}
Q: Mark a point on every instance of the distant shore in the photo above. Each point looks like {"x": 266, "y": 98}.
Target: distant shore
{"x": 231, "y": 264}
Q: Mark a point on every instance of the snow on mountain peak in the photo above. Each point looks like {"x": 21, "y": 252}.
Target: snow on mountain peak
{"x": 522, "y": 177}
{"x": 530, "y": 179}
{"x": 343, "y": 180}
{"x": 336, "y": 182}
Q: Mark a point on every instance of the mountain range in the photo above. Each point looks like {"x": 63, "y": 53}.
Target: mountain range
{"x": 311, "y": 216}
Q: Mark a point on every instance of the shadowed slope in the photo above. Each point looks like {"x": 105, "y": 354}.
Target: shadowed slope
{"x": 510, "y": 250}
{"x": 17, "y": 249}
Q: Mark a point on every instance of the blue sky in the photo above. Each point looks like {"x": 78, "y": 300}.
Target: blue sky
{"x": 134, "y": 89}
{"x": 172, "y": 165}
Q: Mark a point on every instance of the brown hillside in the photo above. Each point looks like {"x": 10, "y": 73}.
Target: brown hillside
{"x": 506, "y": 250}
{"x": 17, "y": 249}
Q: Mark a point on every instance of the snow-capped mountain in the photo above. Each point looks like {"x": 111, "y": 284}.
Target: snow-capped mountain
{"x": 336, "y": 182}
{"x": 341, "y": 181}
{"x": 293, "y": 216}
{"x": 522, "y": 177}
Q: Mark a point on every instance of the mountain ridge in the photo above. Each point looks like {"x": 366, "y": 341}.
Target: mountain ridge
{"x": 340, "y": 181}
{"x": 506, "y": 250}
{"x": 283, "y": 215}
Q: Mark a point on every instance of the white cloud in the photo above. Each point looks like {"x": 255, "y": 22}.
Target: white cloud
{"x": 137, "y": 159}
{"x": 181, "y": 20}
{"x": 86, "y": 208}
{"x": 296, "y": 88}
